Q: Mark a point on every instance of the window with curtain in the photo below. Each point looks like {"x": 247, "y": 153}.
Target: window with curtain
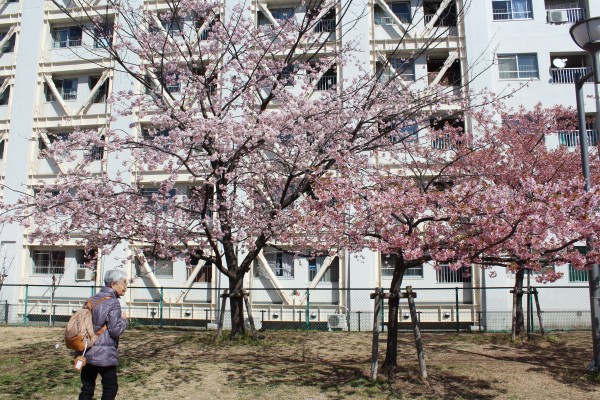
{"x": 282, "y": 264}
{"x": 316, "y": 263}
{"x": 511, "y": 9}
{"x": 518, "y": 66}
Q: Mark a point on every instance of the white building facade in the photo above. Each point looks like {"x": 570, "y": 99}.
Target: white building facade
{"x": 53, "y": 81}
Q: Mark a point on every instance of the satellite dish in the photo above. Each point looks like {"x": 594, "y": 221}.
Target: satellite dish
{"x": 559, "y": 62}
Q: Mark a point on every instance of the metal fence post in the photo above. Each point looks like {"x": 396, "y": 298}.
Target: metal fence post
{"x": 92, "y": 291}
{"x": 531, "y": 308}
{"x": 382, "y": 312}
{"x": 25, "y": 311}
{"x": 307, "y": 309}
{"x": 6, "y": 311}
{"x": 457, "y": 311}
{"x": 160, "y": 305}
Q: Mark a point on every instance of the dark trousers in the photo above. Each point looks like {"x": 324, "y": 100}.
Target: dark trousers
{"x": 89, "y": 373}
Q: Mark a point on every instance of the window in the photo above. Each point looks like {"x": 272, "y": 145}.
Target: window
{"x": 402, "y": 67}
{"x": 282, "y": 264}
{"x": 316, "y": 263}
{"x": 288, "y": 73}
{"x": 2, "y": 149}
{"x": 518, "y": 66}
{"x": 48, "y": 262}
{"x": 5, "y": 96}
{"x": 408, "y": 131}
{"x": 258, "y": 269}
{"x": 100, "y": 96}
{"x": 103, "y": 35}
{"x": 9, "y": 47}
{"x": 511, "y": 9}
{"x": 56, "y": 136}
{"x": 86, "y": 264}
{"x": 280, "y": 14}
{"x": 198, "y": 22}
{"x": 168, "y": 82}
{"x": 201, "y": 200}
{"x": 97, "y": 151}
{"x": 445, "y": 141}
{"x": 572, "y": 67}
{"x": 205, "y": 273}
{"x": 162, "y": 268}
{"x": 387, "y": 267}
{"x": 447, "y": 18}
{"x": 171, "y": 83}
{"x": 149, "y": 133}
{"x": 66, "y": 87}
{"x": 445, "y": 274}
{"x": 328, "y": 80}
{"x": 327, "y": 23}
{"x": 400, "y": 9}
{"x": 155, "y": 199}
{"x": 66, "y": 37}
{"x": 173, "y": 25}
{"x": 560, "y": 11}
{"x": 577, "y": 275}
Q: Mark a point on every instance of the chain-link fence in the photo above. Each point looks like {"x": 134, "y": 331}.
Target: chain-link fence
{"x": 447, "y": 308}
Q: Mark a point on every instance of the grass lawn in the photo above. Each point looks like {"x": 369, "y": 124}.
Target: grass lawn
{"x": 177, "y": 364}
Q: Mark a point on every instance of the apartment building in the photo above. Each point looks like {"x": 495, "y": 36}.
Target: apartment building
{"x": 55, "y": 78}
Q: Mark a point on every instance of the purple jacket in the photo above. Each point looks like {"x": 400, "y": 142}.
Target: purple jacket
{"x": 104, "y": 353}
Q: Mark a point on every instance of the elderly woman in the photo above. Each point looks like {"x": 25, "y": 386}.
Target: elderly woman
{"x": 103, "y": 357}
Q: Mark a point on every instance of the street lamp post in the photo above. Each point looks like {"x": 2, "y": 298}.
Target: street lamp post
{"x": 586, "y": 35}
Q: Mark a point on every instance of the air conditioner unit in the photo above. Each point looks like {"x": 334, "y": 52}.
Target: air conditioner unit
{"x": 558, "y": 16}
{"x": 337, "y": 321}
{"x": 83, "y": 274}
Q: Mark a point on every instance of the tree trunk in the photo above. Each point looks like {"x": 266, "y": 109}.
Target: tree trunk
{"x": 236, "y": 302}
{"x": 519, "y": 321}
{"x": 391, "y": 352}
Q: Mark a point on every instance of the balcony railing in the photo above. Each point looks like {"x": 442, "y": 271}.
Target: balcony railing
{"x": 325, "y": 25}
{"x": 100, "y": 96}
{"x": 327, "y": 82}
{"x": 444, "y": 22}
{"x": 58, "y": 44}
{"x": 503, "y": 14}
{"x": 570, "y": 15}
{"x": 571, "y": 138}
{"x": 405, "y": 18}
{"x": 568, "y": 75}
{"x": 441, "y": 143}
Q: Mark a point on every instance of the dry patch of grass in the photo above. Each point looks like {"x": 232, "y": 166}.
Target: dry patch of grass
{"x": 165, "y": 364}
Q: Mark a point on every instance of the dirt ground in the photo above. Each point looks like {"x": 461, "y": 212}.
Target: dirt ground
{"x": 176, "y": 364}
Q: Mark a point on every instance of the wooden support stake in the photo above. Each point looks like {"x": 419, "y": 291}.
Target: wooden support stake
{"x": 375, "y": 347}
{"x": 249, "y": 311}
{"x": 539, "y": 311}
{"x": 514, "y": 315}
{"x": 413, "y": 316}
{"x": 224, "y": 296}
{"x": 529, "y": 310}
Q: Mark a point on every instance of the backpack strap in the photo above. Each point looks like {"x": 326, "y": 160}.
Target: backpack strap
{"x": 91, "y": 306}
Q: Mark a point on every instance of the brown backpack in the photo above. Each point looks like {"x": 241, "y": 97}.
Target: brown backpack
{"x": 79, "y": 334}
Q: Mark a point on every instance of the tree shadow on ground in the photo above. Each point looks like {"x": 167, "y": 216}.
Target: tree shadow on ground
{"x": 288, "y": 362}
{"x": 563, "y": 362}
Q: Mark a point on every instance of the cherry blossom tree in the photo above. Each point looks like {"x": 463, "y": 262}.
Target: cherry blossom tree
{"x": 251, "y": 119}
{"x": 551, "y": 214}
{"x": 501, "y": 196}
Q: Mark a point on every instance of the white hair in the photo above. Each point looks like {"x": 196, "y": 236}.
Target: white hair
{"x": 113, "y": 276}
